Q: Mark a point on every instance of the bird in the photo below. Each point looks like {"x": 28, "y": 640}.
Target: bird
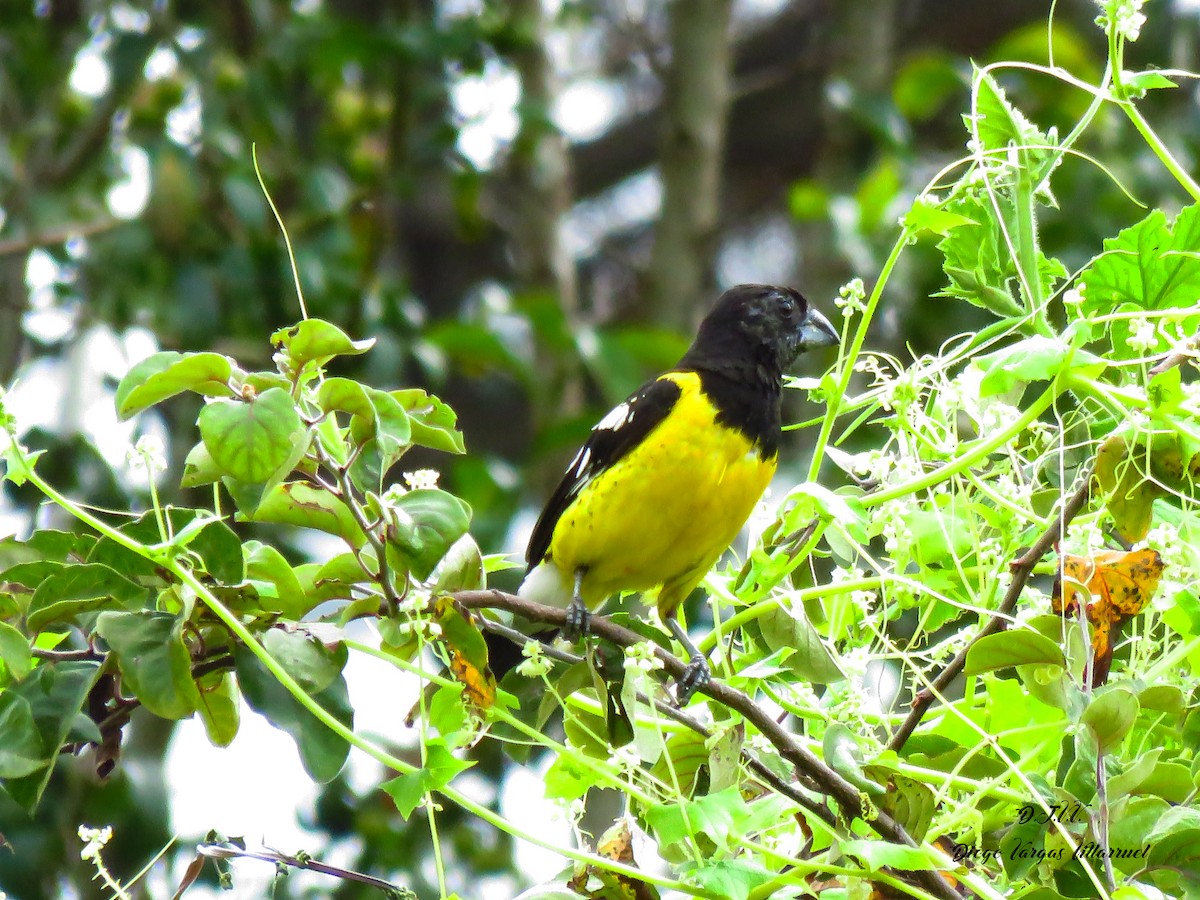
{"x": 667, "y": 479}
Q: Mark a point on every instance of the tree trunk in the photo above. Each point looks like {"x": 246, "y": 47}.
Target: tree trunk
{"x": 696, "y": 107}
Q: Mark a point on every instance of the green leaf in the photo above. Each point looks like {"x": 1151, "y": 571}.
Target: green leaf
{"x": 80, "y": 588}
{"x": 423, "y": 527}
{"x": 461, "y": 569}
{"x": 1148, "y": 266}
{"x": 933, "y": 217}
{"x": 216, "y": 544}
{"x": 1175, "y": 839}
{"x": 316, "y": 341}
{"x": 1138, "y": 83}
{"x": 1012, "y": 648}
{"x": 716, "y": 816}
{"x": 18, "y": 464}
{"x": 373, "y": 414}
{"x": 1166, "y": 698}
{"x": 199, "y": 468}
{"x": 730, "y": 879}
{"x": 810, "y": 660}
{"x": 314, "y": 666}
{"x": 840, "y": 748}
{"x": 998, "y": 123}
{"x": 21, "y": 752}
{"x": 279, "y": 589}
{"x": 441, "y": 766}
{"x": 432, "y": 422}
{"x": 301, "y": 503}
{"x": 883, "y": 854}
{"x": 55, "y": 694}
{"x": 45, "y": 544}
{"x": 1131, "y": 823}
{"x": 168, "y": 373}
{"x": 256, "y": 441}
{"x": 322, "y": 752}
{"x": 1110, "y": 716}
{"x": 155, "y": 664}
{"x": 15, "y": 652}
{"x": 219, "y": 708}
{"x": 1172, "y": 781}
{"x": 1036, "y": 358}
{"x": 568, "y": 778}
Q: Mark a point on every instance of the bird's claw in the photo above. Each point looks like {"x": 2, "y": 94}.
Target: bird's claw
{"x": 694, "y": 677}
{"x": 578, "y": 622}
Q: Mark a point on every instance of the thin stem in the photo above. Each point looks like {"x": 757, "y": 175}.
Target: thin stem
{"x": 981, "y": 450}
{"x": 833, "y": 401}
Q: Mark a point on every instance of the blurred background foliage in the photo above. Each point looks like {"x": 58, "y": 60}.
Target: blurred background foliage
{"x": 527, "y": 204}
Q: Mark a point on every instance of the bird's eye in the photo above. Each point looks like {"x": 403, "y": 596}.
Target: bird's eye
{"x": 787, "y": 306}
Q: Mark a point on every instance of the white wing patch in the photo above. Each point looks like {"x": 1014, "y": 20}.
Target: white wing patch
{"x": 618, "y": 416}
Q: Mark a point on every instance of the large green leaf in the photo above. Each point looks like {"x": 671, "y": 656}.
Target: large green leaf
{"x": 373, "y": 413}
{"x": 254, "y": 441}
{"x": 155, "y": 664}
{"x": 21, "y": 752}
{"x": 1012, "y": 648}
{"x": 810, "y": 659}
{"x": 80, "y": 588}
{"x": 279, "y": 589}
{"x": 433, "y": 423}
{"x": 1148, "y": 266}
{"x": 304, "y": 504}
{"x": 1110, "y": 716}
{"x": 315, "y": 341}
{"x": 219, "y": 708}
{"x": 15, "y": 653}
{"x": 426, "y": 524}
{"x": 322, "y": 752}
{"x": 1036, "y": 358}
{"x": 168, "y": 373}
{"x": 55, "y": 695}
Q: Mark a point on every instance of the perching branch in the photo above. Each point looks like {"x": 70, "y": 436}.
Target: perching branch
{"x": 669, "y": 711}
{"x": 811, "y": 771}
{"x": 227, "y": 850}
{"x": 1022, "y": 568}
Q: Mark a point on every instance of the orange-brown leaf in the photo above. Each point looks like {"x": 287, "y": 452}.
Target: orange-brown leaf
{"x": 1112, "y": 586}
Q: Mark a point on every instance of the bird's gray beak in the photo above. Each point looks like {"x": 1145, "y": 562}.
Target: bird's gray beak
{"x": 816, "y": 331}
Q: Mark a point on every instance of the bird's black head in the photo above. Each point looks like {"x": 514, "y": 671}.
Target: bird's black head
{"x": 759, "y": 324}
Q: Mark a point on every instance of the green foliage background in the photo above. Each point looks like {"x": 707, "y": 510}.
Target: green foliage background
{"x": 1036, "y": 303}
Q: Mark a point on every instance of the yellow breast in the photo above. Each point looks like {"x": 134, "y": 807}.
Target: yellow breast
{"x": 664, "y": 513}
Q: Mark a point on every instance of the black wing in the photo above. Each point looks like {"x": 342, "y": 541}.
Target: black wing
{"x": 625, "y": 426}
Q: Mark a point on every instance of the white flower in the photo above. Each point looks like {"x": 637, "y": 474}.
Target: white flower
{"x": 422, "y": 479}
{"x": 1143, "y": 336}
{"x": 536, "y": 663}
{"x": 640, "y": 657}
{"x": 94, "y": 840}
{"x": 148, "y": 454}
{"x": 852, "y": 298}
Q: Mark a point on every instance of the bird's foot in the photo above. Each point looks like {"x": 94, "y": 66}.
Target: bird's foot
{"x": 694, "y": 677}
{"x": 578, "y": 622}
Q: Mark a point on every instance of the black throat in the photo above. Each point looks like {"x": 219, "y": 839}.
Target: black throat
{"x": 747, "y": 398}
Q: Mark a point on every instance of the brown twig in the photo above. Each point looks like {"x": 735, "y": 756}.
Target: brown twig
{"x": 226, "y": 850}
{"x": 1022, "y": 568}
{"x": 1186, "y": 351}
{"x": 669, "y": 711}
{"x": 811, "y": 771}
